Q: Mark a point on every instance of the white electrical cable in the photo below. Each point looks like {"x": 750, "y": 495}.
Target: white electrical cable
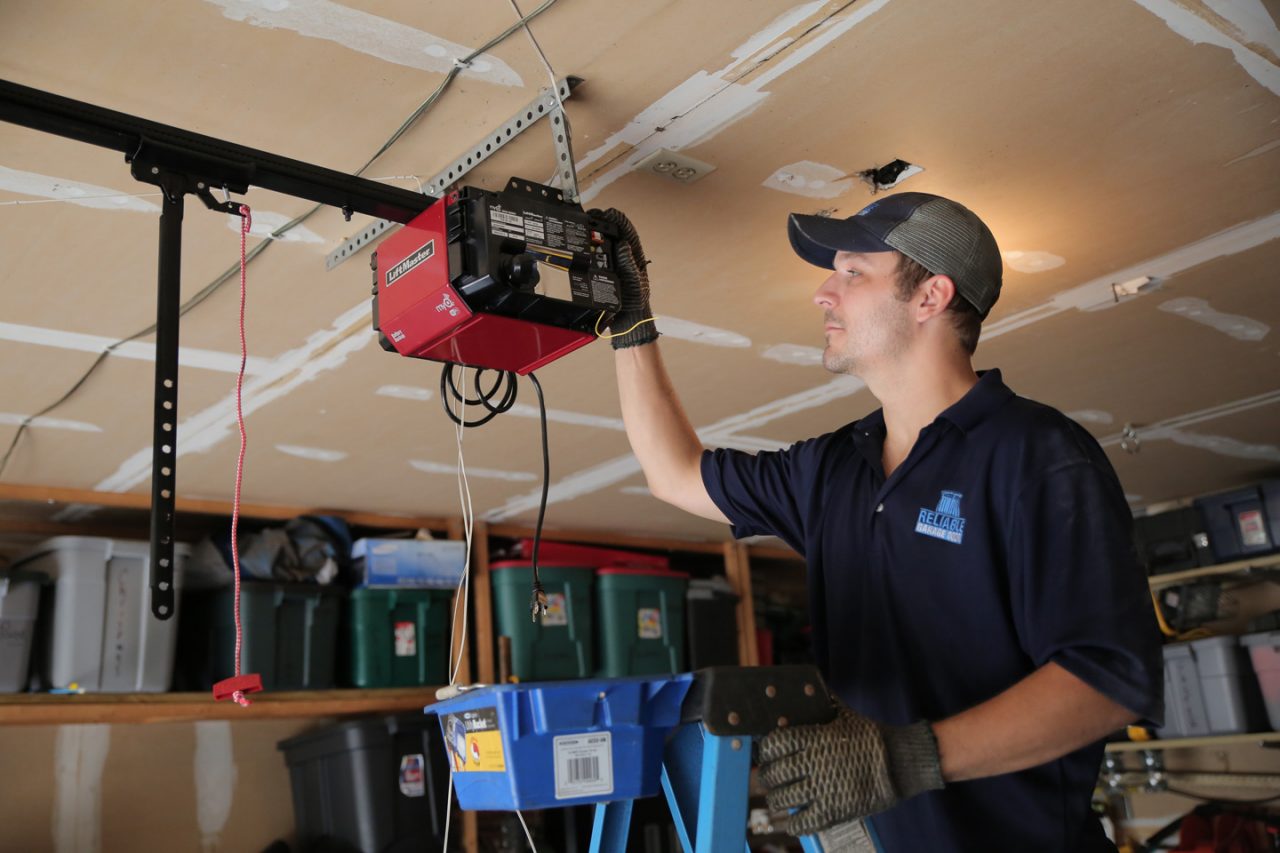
{"x": 464, "y": 584}
{"x": 468, "y": 526}
{"x": 527, "y": 835}
{"x": 77, "y": 198}
{"x": 555, "y": 91}
{"x": 448, "y": 806}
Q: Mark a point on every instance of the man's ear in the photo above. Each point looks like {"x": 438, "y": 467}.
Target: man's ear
{"x": 933, "y": 296}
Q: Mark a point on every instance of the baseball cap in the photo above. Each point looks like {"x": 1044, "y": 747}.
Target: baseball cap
{"x": 942, "y": 235}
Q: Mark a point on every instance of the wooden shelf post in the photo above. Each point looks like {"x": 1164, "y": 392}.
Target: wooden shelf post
{"x": 737, "y": 566}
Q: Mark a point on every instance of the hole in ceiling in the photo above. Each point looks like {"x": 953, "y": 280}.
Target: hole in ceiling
{"x": 889, "y": 175}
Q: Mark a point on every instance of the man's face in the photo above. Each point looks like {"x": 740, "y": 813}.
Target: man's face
{"x": 865, "y": 324}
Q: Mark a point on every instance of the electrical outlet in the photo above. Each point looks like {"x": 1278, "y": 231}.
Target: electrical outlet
{"x": 677, "y": 167}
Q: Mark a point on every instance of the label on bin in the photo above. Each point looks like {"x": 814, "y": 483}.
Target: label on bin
{"x": 584, "y": 765}
{"x": 412, "y": 782}
{"x": 649, "y": 623}
{"x": 474, "y": 741}
{"x": 1253, "y": 533}
{"x": 557, "y": 613}
{"x": 406, "y": 640}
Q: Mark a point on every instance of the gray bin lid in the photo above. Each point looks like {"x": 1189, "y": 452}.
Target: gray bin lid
{"x": 1261, "y": 638}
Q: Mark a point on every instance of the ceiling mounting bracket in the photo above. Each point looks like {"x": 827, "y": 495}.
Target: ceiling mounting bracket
{"x": 526, "y": 117}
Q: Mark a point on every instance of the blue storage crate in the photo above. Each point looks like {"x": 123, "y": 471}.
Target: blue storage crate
{"x": 560, "y": 743}
{"x": 1243, "y": 523}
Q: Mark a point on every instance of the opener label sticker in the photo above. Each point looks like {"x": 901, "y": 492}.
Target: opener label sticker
{"x": 533, "y": 228}
{"x": 1253, "y": 533}
{"x": 649, "y": 623}
{"x": 504, "y": 223}
{"x": 557, "y": 610}
{"x": 412, "y": 782}
{"x": 474, "y": 741}
{"x": 410, "y": 262}
{"x": 406, "y": 640}
{"x": 584, "y": 765}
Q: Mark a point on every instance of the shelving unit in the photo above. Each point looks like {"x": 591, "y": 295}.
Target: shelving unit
{"x": 48, "y": 709}
{"x": 1260, "y": 738}
{"x": 1262, "y": 563}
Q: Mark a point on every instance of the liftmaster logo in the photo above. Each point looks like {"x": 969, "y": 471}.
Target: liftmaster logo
{"x": 410, "y": 262}
{"x": 945, "y": 522}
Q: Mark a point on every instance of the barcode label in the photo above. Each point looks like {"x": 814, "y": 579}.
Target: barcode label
{"x": 584, "y": 765}
{"x": 584, "y": 769}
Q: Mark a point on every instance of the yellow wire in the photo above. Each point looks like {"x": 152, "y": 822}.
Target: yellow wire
{"x": 600, "y": 334}
{"x": 1193, "y": 634}
{"x": 1164, "y": 626}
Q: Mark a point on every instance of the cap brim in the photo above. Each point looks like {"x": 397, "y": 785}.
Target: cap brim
{"x": 818, "y": 238}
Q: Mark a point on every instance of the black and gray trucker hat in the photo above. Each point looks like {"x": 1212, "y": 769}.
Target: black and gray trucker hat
{"x": 945, "y": 237}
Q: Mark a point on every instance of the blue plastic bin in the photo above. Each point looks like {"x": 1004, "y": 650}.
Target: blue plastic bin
{"x": 559, "y": 743}
{"x": 1244, "y": 522}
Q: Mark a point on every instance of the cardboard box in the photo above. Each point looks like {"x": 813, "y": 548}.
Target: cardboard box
{"x": 429, "y": 563}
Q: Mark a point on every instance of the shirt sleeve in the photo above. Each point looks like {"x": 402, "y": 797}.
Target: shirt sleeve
{"x": 1079, "y": 596}
{"x": 765, "y": 494}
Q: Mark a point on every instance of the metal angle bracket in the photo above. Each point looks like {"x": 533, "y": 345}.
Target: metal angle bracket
{"x": 529, "y": 115}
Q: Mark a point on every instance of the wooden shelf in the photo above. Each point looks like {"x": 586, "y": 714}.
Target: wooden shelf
{"x": 268, "y": 512}
{"x": 49, "y": 709}
{"x": 1258, "y": 738}
{"x": 1268, "y": 561}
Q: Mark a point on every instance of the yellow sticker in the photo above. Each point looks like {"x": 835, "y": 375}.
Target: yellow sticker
{"x": 474, "y": 741}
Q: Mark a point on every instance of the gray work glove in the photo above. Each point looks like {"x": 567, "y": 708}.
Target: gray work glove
{"x": 847, "y": 769}
{"x": 633, "y": 279}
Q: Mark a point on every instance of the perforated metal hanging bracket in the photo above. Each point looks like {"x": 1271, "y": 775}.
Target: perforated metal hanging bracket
{"x": 539, "y": 108}
{"x": 144, "y": 165}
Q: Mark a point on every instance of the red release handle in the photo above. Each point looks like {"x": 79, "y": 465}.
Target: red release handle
{"x": 237, "y": 686}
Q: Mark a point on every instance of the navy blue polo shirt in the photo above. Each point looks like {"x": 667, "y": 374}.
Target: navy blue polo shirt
{"x": 1000, "y": 544}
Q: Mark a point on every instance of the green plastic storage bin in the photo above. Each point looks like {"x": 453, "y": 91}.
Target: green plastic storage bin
{"x": 290, "y": 634}
{"x": 641, "y": 621}
{"x": 398, "y": 637}
{"x": 559, "y": 646}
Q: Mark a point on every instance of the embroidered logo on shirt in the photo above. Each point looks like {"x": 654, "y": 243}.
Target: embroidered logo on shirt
{"x": 945, "y": 522}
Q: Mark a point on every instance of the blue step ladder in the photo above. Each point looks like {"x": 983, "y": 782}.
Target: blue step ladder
{"x": 705, "y": 776}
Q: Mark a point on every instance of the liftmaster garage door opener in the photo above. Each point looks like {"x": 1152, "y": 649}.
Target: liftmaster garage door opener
{"x": 459, "y": 283}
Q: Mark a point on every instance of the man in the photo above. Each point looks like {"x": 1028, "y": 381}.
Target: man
{"x": 977, "y": 607}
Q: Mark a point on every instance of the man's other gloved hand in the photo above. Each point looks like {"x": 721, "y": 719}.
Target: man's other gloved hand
{"x": 633, "y": 324}
{"x": 847, "y": 769}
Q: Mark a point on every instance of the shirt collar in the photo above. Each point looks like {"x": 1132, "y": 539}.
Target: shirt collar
{"x": 989, "y": 394}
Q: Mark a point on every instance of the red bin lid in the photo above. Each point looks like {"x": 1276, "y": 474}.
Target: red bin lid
{"x": 542, "y": 564}
{"x": 585, "y": 555}
{"x": 641, "y": 570}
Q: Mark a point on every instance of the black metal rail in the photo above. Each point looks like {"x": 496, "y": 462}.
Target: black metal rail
{"x": 181, "y": 162}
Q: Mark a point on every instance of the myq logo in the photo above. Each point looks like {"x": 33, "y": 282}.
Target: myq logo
{"x": 945, "y": 522}
{"x": 410, "y": 262}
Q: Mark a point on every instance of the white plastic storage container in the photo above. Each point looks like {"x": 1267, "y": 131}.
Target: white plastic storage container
{"x": 1225, "y": 684}
{"x": 19, "y": 603}
{"x": 1184, "y": 711}
{"x": 97, "y": 629}
{"x": 1264, "y": 649}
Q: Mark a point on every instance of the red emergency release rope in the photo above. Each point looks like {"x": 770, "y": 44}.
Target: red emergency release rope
{"x": 246, "y": 222}
{"x": 238, "y": 685}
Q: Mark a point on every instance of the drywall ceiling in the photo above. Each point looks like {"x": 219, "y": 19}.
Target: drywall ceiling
{"x": 1102, "y": 140}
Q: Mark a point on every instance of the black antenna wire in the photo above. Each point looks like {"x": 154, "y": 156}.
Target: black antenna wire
{"x": 538, "y": 603}
{"x": 504, "y": 388}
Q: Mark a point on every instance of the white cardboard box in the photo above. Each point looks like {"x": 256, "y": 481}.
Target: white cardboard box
{"x": 418, "y": 563}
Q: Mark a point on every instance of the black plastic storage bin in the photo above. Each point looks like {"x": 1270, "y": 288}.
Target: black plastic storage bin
{"x": 377, "y": 784}
{"x": 290, "y": 636}
{"x": 1244, "y": 522}
{"x": 1172, "y": 541}
{"x": 712, "y": 612}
